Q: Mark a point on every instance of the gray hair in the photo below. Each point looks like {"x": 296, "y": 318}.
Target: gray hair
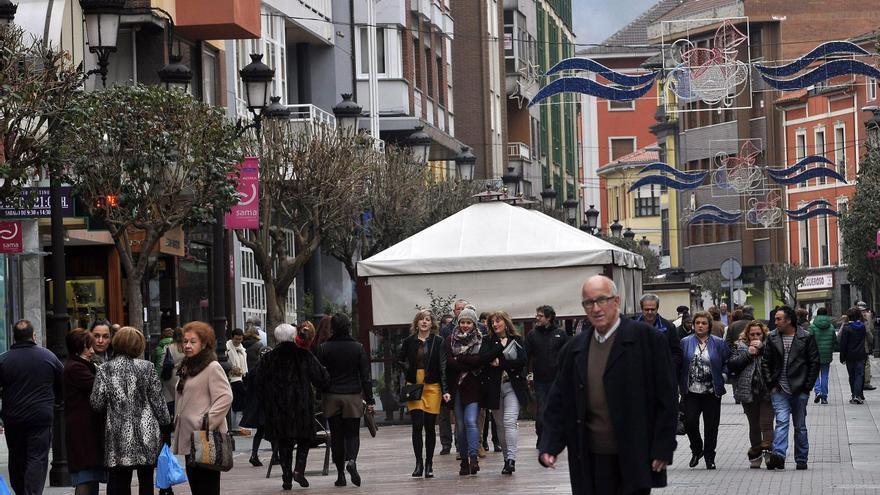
{"x": 461, "y": 301}
{"x": 649, "y": 297}
{"x": 285, "y": 332}
{"x": 748, "y": 309}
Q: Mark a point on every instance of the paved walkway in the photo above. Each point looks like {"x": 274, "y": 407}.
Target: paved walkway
{"x": 844, "y": 459}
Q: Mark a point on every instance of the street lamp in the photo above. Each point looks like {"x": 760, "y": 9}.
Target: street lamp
{"x": 465, "y": 162}
{"x": 102, "y": 30}
{"x": 347, "y": 113}
{"x": 644, "y": 242}
{"x": 7, "y": 12}
{"x": 276, "y": 110}
{"x": 628, "y": 234}
{"x": 175, "y": 75}
{"x": 616, "y": 228}
{"x": 420, "y": 144}
{"x": 571, "y": 210}
{"x": 548, "y": 198}
{"x": 256, "y": 77}
{"x": 511, "y": 181}
{"x": 591, "y": 218}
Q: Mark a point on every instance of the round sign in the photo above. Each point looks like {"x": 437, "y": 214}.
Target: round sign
{"x": 731, "y": 269}
{"x": 739, "y": 297}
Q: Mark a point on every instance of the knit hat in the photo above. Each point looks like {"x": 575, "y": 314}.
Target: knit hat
{"x": 468, "y": 314}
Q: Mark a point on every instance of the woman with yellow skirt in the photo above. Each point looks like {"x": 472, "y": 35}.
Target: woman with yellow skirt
{"x": 423, "y": 359}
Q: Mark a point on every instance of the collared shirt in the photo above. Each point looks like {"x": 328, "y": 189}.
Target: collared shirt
{"x": 602, "y": 338}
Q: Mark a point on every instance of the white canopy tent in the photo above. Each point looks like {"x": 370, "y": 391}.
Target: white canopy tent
{"x": 496, "y": 256}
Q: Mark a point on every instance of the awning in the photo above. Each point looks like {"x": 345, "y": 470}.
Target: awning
{"x": 814, "y": 295}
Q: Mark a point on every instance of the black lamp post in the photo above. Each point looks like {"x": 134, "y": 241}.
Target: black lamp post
{"x": 276, "y": 110}
{"x": 347, "y": 113}
{"x": 176, "y": 75}
{"x": 548, "y": 198}
{"x": 628, "y": 234}
{"x": 511, "y": 182}
{"x": 465, "y": 163}
{"x": 7, "y": 12}
{"x": 570, "y": 206}
{"x": 257, "y": 77}
{"x": 591, "y": 218}
{"x": 420, "y": 143}
{"x": 102, "y": 30}
{"x": 644, "y": 242}
{"x": 616, "y": 228}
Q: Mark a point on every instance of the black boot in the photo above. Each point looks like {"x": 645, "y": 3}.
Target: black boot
{"x": 340, "y": 475}
{"x": 429, "y": 468}
{"x": 419, "y": 470}
{"x": 475, "y": 465}
{"x": 351, "y": 467}
{"x": 254, "y": 460}
{"x": 299, "y": 471}
{"x": 465, "y": 467}
{"x": 507, "y": 469}
{"x": 286, "y": 458}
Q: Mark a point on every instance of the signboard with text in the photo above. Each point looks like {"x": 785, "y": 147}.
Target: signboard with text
{"x": 817, "y": 281}
{"x": 35, "y": 204}
{"x": 10, "y": 238}
{"x": 246, "y": 214}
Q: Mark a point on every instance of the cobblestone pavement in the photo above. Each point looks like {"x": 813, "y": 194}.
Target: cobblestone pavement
{"x": 844, "y": 459}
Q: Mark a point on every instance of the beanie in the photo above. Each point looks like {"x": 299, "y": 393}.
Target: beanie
{"x": 468, "y": 314}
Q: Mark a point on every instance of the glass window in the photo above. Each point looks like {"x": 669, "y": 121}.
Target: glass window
{"x": 872, "y": 88}
{"x": 822, "y": 222}
{"x": 800, "y": 144}
{"x": 804, "y": 241}
{"x": 621, "y": 147}
{"x": 363, "y": 48}
{"x": 647, "y": 202}
{"x": 840, "y": 148}
{"x": 820, "y": 149}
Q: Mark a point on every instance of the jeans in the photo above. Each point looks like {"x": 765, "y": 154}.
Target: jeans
{"x": 542, "y": 389}
{"x": 466, "y": 427}
{"x": 793, "y": 408}
{"x": 821, "y": 388}
{"x": 28, "y": 457}
{"x": 856, "y": 372}
{"x": 506, "y": 416}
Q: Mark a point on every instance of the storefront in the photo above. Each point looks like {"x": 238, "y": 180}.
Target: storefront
{"x": 816, "y": 291}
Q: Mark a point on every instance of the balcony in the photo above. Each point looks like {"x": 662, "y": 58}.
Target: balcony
{"x": 311, "y": 114}
{"x": 393, "y": 97}
{"x": 518, "y": 151}
{"x": 312, "y": 16}
{"x": 218, "y": 19}
{"x": 418, "y": 104}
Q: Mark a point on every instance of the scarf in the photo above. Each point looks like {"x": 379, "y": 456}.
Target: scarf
{"x": 192, "y": 366}
{"x": 466, "y": 343}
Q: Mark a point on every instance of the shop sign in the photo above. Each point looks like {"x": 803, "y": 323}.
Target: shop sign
{"x": 35, "y": 203}
{"x": 170, "y": 243}
{"x": 817, "y": 281}
{"x": 11, "y": 238}
{"x": 246, "y": 214}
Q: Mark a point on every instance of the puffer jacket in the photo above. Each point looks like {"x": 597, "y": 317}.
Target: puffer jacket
{"x": 751, "y": 383}
{"x": 826, "y": 337}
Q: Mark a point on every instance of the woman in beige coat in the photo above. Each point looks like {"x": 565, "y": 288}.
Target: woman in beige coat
{"x": 202, "y": 389}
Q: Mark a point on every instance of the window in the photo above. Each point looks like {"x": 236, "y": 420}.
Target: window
{"x": 822, "y": 223}
{"x": 804, "y": 242}
{"x": 841, "y": 208}
{"x": 820, "y": 148}
{"x": 209, "y": 78}
{"x": 840, "y": 148}
{"x": 664, "y": 233}
{"x": 800, "y": 145}
{"x": 621, "y": 106}
{"x": 430, "y": 75}
{"x": 648, "y": 201}
{"x": 363, "y": 48}
{"x": 872, "y": 88}
{"x": 417, "y": 65}
{"x": 620, "y": 147}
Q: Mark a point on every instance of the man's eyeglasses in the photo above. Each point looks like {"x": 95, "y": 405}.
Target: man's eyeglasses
{"x": 600, "y": 301}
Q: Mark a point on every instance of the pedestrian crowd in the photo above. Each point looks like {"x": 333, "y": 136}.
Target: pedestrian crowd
{"x": 613, "y": 391}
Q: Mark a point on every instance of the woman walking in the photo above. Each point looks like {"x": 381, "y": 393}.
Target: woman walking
{"x": 826, "y": 341}
{"x": 253, "y": 415}
{"x": 83, "y": 426}
{"x": 284, "y": 386}
{"x": 203, "y": 390}
{"x": 238, "y": 360}
{"x": 128, "y": 389}
{"x": 750, "y": 389}
{"x": 350, "y": 385}
{"x": 701, "y": 383}
{"x": 852, "y": 352}
{"x": 505, "y": 389}
{"x": 463, "y": 368}
{"x": 423, "y": 359}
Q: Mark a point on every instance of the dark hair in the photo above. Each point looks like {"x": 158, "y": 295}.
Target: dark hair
{"x": 22, "y": 330}
{"x": 237, "y": 332}
{"x": 683, "y": 310}
{"x": 715, "y": 313}
{"x": 803, "y": 316}
{"x": 548, "y": 311}
{"x": 854, "y": 314}
{"x": 340, "y": 325}
{"x": 485, "y": 315}
{"x": 822, "y": 311}
{"x": 101, "y": 323}
{"x": 167, "y": 333}
{"x": 78, "y": 340}
{"x": 789, "y": 314}
{"x": 178, "y": 335}
{"x": 706, "y": 315}
{"x": 738, "y": 315}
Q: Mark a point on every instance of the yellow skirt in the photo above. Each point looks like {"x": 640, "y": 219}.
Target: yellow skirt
{"x": 430, "y": 401}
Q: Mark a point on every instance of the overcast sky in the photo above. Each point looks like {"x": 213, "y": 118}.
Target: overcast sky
{"x": 595, "y": 20}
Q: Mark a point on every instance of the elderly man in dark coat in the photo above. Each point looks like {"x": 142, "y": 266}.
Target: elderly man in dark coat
{"x": 613, "y": 402}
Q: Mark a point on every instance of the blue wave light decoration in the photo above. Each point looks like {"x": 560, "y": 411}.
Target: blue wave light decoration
{"x": 782, "y": 172}
{"x": 589, "y": 87}
{"x": 824, "y": 72}
{"x": 803, "y": 209}
{"x": 823, "y": 50}
{"x": 814, "y": 213}
{"x": 660, "y": 180}
{"x": 663, "y": 167}
{"x": 712, "y": 209}
{"x": 588, "y": 64}
{"x": 809, "y": 174}
{"x": 709, "y": 217}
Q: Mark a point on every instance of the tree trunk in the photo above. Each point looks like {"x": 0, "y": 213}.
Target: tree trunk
{"x": 135, "y": 302}
{"x": 275, "y": 310}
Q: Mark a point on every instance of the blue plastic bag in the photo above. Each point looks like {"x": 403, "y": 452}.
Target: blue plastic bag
{"x": 169, "y": 472}
{"x": 3, "y": 489}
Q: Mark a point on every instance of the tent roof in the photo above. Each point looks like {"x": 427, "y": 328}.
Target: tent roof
{"x": 495, "y": 236}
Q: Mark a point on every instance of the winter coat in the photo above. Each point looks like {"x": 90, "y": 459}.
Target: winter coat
{"x": 668, "y": 330}
{"x": 83, "y": 427}
{"x": 543, "y": 345}
{"x": 803, "y": 362}
{"x": 130, "y": 393}
{"x": 348, "y": 365}
{"x": 238, "y": 359}
{"x": 30, "y": 384}
{"x": 719, "y": 353}
{"x": 169, "y": 386}
{"x": 751, "y": 383}
{"x": 252, "y": 346}
{"x": 284, "y": 387}
{"x": 435, "y": 359}
{"x": 456, "y": 366}
{"x": 852, "y": 342}
{"x": 640, "y": 391}
{"x": 731, "y": 335}
{"x": 252, "y": 416}
{"x": 491, "y": 376}
{"x": 209, "y": 393}
{"x": 826, "y": 337}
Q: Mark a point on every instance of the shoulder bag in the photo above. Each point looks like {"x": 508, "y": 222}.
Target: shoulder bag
{"x": 410, "y": 392}
{"x": 167, "y": 365}
{"x": 211, "y": 449}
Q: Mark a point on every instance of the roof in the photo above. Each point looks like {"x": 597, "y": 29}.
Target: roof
{"x": 641, "y": 156}
{"x": 687, "y": 8}
{"x": 633, "y": 38}
{"x": 521, "y": 239}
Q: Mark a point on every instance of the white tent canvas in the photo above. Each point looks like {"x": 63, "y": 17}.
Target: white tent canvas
{"x": 496, "y": 256}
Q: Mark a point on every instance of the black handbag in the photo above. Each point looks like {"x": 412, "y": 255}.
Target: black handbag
{"x": 411, "y": 392}
{"x": 167, "y": 365}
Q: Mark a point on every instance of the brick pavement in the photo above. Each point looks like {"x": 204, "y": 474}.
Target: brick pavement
{"x": 844, "y": 453}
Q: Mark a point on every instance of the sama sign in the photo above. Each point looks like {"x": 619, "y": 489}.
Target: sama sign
{"x": 35, "y": 204}
{"x": 246, "y": 214}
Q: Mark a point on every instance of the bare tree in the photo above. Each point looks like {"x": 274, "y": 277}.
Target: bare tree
{"x": 148, "y": 159}
{"x": 711, "y": 282}
{"x": 784, "y": 279}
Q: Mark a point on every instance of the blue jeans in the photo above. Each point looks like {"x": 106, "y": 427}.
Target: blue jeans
{"x": 466, "y": 427}
{"x": 856, "y": 372}
{"x": 821, "y": 388}
{"x": 794, "y": 407}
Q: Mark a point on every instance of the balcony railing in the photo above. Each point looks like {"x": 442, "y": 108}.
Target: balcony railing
{"x": 311, "y": 113}
{"x": 520, "y": 151}
{"x": 417, "y": 104}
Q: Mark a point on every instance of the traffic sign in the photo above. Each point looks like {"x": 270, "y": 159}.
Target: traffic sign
{"x": 731, "y": 269}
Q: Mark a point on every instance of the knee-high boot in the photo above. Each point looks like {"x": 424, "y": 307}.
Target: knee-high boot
{"x": 299, "y": 471}
{"x": 285, "y": 457}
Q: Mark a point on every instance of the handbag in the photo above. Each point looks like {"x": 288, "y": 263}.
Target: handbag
{"x": 512, "y": 351}
{"x": 167, "y": 365}
{"x": 169, "y": 472}
{"x": 370, "y": 421}
{"x": 410, "y": 392}
{"x": 211, "y": 449}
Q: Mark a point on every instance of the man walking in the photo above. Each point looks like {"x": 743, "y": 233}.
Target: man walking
{"x": 30, "y": 385}
{"x": 542, "y": 347}
{"x": 725, "y": 316}
{"x": 650, "y": 304}
{"x": 791, "y": 362}
{"x": 612, "y": 404}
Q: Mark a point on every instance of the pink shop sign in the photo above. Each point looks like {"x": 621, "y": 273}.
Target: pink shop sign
{"x": 246, "y": 214}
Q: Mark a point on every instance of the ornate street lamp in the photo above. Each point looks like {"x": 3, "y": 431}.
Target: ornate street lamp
{"x": 616, "y": 228}
{"x": 629, "y": 234}
{"x": 591, "y": 218}
{"x": 176, "y": 75}
{"x": 347, "y": 113}
{"x": 548, "y": 198}
{"x": 570, "y": 206}
{"x": 276, "y": 110}
{"x": 644, "y": 242}
{"x": 511, "y": 182}
{"x": 102, "y": 30}
{"x": 257, "y": 77}
{"x": 465, "y": 162}
{"x": 7, "y": 12}
{"x": 420, "y": 144}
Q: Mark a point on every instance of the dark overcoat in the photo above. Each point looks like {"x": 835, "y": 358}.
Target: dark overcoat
{"x": 83, "y": 427}
{"x": 640, "y": 391}
{"x": 490, "y": 377}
